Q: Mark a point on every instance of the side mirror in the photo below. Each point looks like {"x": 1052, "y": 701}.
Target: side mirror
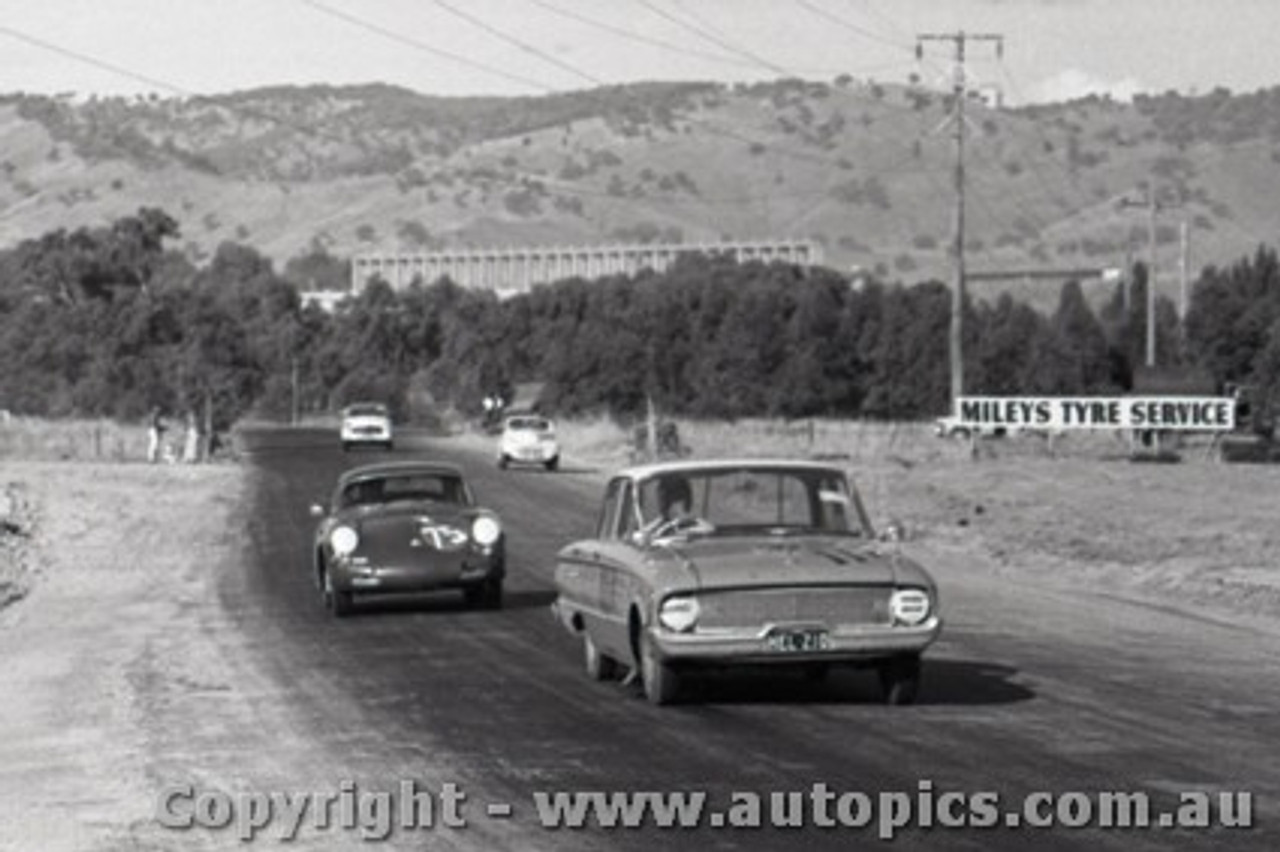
{"x": 317, "y": 511}
{"x": 895, "y": 531}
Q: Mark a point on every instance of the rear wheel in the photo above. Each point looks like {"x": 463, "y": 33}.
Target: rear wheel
{"x": 599, "y": 666}
{"x": 900, "y": 679}
{"x": 503, "y": 461}
{"x": 552, "y": 464}
{"x": 346, "y": 446}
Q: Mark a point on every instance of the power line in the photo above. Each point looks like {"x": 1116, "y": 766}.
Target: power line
{"x": 526, "y": 47}
{"x": 414, "y": 43}
{"x": 164, "y": 85}
{"x": 849, "y": 25}
{"x": 711, "y": 37}
{"x": 94, "y": 61}
{"x": 642, "y": 39}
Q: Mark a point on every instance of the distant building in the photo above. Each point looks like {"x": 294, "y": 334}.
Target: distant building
{"x": 516, "y": 270}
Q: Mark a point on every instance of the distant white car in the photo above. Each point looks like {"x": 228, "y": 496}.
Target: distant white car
{"x": 953, "y": 427}
{"x": 528, "y": 439}
{"x": 366, "y": 423}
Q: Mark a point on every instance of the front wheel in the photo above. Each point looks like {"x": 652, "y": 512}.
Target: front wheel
{"x": 900, "y": 679}
{"x": 552, "y": 464}
{"x": 599, "y": 666}
{"x": 503, "y": 461}
{"x": 338, "y": 602}
{"x": 661, "y": 681}
{"x": 486, "y": 595}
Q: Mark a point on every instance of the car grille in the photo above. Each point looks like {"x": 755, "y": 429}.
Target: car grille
{"x": 832, "y": 606}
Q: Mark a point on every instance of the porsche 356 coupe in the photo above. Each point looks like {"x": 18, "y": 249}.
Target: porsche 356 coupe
{"x": 406, "y": 527}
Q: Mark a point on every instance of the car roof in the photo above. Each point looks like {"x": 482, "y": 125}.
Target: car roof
{"x": 691, "y": 466}
{"x": 398, "y": 468}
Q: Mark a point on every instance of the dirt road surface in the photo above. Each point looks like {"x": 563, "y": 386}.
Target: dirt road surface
{"x": 180, "y": 641}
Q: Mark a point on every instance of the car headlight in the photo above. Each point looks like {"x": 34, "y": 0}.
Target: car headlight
{"x": 909, "y": 607}
{"x": 485, "y": 530}
{"x": 679, "y": 613}
{"x": 344, "y": 540}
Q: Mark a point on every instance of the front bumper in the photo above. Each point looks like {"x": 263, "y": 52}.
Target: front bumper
{"x": 847, "y": 644}
{"x": 453, "y": 574}
{"x": 369, "y": 436}
{"x": 533, "y": 453}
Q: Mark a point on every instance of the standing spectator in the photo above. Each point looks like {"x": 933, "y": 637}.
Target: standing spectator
{"x": 191, "y": 440}
{"x": 155, "y": 434}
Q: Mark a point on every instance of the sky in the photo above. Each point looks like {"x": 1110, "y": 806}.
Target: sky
{"x": 1052, "y": 49}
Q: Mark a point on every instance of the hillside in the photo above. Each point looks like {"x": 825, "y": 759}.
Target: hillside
{"x": 863, "y": 168}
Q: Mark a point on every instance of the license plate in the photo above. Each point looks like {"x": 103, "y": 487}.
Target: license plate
{"x": 798, "y": 641}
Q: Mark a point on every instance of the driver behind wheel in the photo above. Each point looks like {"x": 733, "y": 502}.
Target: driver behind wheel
{"x": 675, "y": 506}
{"x": 675, "y": 498}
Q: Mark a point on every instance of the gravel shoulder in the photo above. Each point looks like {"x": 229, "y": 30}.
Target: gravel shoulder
{"x": 121, "y": 673}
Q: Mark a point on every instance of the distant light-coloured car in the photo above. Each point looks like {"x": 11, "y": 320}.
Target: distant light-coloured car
{"x": 699, "y": 564}
{"x": 406, "y": 527}
{"x": 528, "y": 439}
{"x": 365, "y": 423}
{"x": 954, "y": 427}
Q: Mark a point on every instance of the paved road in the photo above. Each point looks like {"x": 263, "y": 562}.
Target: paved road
{"x": 1031, "y": 690}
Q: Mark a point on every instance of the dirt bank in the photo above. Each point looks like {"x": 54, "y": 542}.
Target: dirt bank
{"x": 120, "y": 672}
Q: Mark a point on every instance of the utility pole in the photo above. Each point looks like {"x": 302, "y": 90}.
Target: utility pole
{"x": 1184, "y": 249}
{"x": 959, "y": 41}
{"x": 1153, "y": 206}
{"x": 293, "y": 391}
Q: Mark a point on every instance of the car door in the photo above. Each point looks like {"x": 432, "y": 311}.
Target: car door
{"x": 578, "y": 573}
{"x": 617, "y": 560}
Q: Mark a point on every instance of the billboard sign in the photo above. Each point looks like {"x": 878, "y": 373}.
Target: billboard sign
{"x": 1163, "y": 413}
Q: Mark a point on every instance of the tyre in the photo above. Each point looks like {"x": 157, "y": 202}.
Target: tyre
{"x": 346, "y": 446}
{"x": 486, "y": 595}
{"x": 661, "y": 682}
{"x": 599, "y": 666}
{"x": 552, "y": 464}
{"x": 390, "y": 445}
{"x": 338, "y": 602}
{"x": 900, "y": 680}
{"x": 503, "y": 461}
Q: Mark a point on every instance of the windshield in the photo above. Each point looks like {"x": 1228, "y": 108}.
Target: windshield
{"x": 369, "y": 410}
{"x": 754, "y": 500}
{"x": 533, "y": 424}
{"x": 434, "y": 487}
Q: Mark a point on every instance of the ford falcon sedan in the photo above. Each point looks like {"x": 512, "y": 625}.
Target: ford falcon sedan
{"x": 727, "y": 563}
{"x": 406, "y": 527}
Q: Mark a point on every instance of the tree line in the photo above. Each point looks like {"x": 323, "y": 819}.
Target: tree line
{"x": 110, "y": 322}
